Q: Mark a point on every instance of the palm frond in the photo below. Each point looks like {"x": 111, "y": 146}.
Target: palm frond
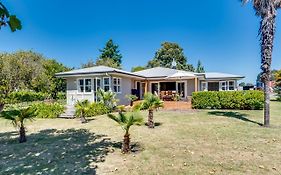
{"x": 115, "y": 118}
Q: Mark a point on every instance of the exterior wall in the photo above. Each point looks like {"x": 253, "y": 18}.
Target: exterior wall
{"x": 73, "y": 95}
{"x": 190, "y": 87}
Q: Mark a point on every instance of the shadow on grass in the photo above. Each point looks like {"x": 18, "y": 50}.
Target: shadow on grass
{"x": 54, "y": 152}
{"x": 236, "y": 115}
{"x": 155, "y": 124}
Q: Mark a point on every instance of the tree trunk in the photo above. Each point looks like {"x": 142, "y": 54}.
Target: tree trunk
{"x": 82, "y": 118}
{"x": 150, "y": 122}
{"x": 1, "y": 106}
{"x": 131, "y": 103}
{"x": 126, "y": 143}
{"x": 266, "y": 104}
{"x": 22, "y": 134}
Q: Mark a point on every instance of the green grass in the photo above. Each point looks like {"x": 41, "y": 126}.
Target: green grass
{"x": 194, "y": 142}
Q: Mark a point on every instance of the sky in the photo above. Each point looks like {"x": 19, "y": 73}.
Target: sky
{"x": 223, "y": 34}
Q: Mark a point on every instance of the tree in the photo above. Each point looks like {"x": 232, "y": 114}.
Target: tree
{"x": 18, "y": 118}
{"x": 137, "y": 68}
{"x": 165, "y": 55}
{"x": 200, "y": 67}
{"x": 90, "y": 63}
{"x": 151, "y": 102}
{"x": 110, "y": 55}
{"x": 82, "y": 109}
{"x": 6, "y": 19}
{"x": 242, "y": 84}
{"x": 126, "y": 121}
{"x": 278, "y": 78}
{"x": 267, "y": 11}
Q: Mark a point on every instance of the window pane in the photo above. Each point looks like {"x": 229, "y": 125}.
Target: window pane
{"x": 106, "y": 88}
{"x": 114, "y": 80}
{"x": 98, "y": 83}
{"x": 81, "y": 82}
{"x": 118, "y": 89}
{"x": 115, "y": 89}
{"x": 106, "y": 81}
{"x": 88, "y": 82}
{"x": 118, "y": 81}
{"x": 88, "y": 89}
{"x": 81, "y": 85}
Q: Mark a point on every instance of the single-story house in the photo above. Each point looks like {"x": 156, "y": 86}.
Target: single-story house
{"x": 84, "y": 83}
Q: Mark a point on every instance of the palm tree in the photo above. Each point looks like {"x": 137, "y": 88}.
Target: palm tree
{"x": 126, "y": 121}
{"x": 108, "y": 98}
{"x": 82, "y": 109}
{"x": 266, "y": 9}
{"x": 18, "y": 118}
{"x": 9, "y": 20}
{"x": 151, "y": 102}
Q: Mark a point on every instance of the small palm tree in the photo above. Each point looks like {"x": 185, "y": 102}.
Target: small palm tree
{"x": 18, "y": 118}
{"x": 82, "y": 110}
{"x": 126, "y": 121}
{"x": 131, "y": 99}
{"x": 108, "y": 98}
{"x": 151, "y": 102}
{"x": 267, "y": 11}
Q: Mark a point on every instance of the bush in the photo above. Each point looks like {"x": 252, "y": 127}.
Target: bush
{"x": 47, "y": 110}
{"x": 98, "y": 109}
{"x": 26, "y": 96}
{"x": 61, "y": 96}
{"x": 228, "y": 100}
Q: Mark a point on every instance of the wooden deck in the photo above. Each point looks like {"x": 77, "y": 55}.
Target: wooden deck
{"x": 177, "y": 105}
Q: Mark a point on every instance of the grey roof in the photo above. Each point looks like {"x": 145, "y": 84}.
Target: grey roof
{"x": 218, "y": 75}
{"x": 158, "y": 72}
{"x": 95, "y": 70}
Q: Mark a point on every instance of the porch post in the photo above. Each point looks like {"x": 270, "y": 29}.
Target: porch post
{"x": 145, "y": 88}
{"x": 196, "y": 84}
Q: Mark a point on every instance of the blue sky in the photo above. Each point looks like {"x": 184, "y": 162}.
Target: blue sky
{"x": 221, "y": 33}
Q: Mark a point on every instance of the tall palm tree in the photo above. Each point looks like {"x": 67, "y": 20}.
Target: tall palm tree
{"x": 18, "y": 118}
{"x": 82, "y": 109}
{"x": 266, "y": 10}
{"x": 151, "y": 102}
{"x": 9, "y": 20}
{"x": 126, "y": 121}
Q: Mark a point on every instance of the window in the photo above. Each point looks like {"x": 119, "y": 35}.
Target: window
{"x": 231, "y": 86}
{"x": 84, "y": 85}
{"x": 117, "y": 85}
{"x": 204, "y": 86}
{"x": 223, "y": 86}
{"x": 106, "y": 83}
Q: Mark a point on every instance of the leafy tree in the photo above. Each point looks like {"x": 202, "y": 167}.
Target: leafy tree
{"x": 6, "y": 19}
{"x": 267, "y": 11}
{"x": 278, "y": 78}
{"x": 137, "y": 68}
{"x": 126, "y": 121}
{"x": 151, "y": 102}
{"x": 18, "y": 118}
{"x": 110, "y": 55}
{"x": 200, "y": 67}
{"x": 90, "y": 63}
{"x": 165, "y": 55}
{"x": 82, "y": 109}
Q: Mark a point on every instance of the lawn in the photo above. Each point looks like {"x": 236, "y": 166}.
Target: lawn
{"x": 191, "y": 142}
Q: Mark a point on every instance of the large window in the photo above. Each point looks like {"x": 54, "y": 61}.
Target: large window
{"x": 106, "y": 83}
{"x": 223, "y": 85}
{"x": 117, "y": 85}
{"x": 204, "y": 86}
{"x": 231, "y": 85}
{"x": 85, "y": 85}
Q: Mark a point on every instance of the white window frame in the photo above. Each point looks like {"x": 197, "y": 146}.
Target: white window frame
{"x": 202, "y": 86}
{"x": 225, "y": 86}
{"x": 117, "y": 85}
{"x": 84, "y": 86}
{"x": 108, "y": 85}
{"x": 229, "y": 85}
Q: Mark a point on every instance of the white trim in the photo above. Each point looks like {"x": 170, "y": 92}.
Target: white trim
{"x": 225, "y": 86}
{"x": 84, "y": 85}
{"x": 206, "y": 86}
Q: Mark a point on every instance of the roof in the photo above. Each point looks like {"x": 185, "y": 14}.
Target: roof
{"x": 159, "y": 72}
{"x": 218, "y": 75}
{"x": 94, "y": 70}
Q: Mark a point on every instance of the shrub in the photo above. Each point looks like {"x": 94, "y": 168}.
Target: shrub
{"x": 26, "y": 96}
{"x": 228, "y": 100}
{"x": 61, "y": 96}
{"x": 47, "y": 110}
{"x": 98, "y": 109}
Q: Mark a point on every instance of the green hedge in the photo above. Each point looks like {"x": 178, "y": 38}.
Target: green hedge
{"x": 244, "y": 100}
{"x": 26, "y": 96}
{"x": 47, "y": 110}
{"x": 98, "y": 109}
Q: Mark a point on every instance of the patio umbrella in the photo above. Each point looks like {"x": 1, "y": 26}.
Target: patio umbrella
{"x": 181, "y": 74}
